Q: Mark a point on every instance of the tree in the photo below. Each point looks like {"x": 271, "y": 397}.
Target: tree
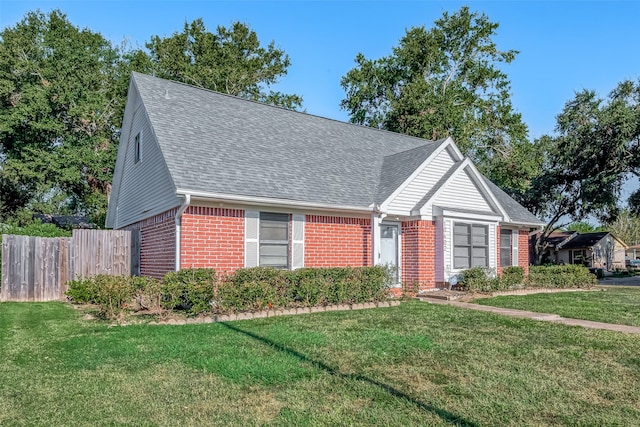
{"x": 60, "y": 108}
{"x": 626, "y": 227}
{"x": 584, "y": 227}
{"x": 440, "y": 82}
{"x": 231, "y": 61}
{"x": 586, "y": 164}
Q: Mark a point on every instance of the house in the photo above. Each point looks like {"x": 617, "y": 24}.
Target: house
{"x": 211, "y": 180}
{"x": 595, "y": 250}
{"x": 552, "y": 241}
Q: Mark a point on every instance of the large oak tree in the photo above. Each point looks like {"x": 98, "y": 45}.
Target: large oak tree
{"x": 231, "y": 60}
{"x": 62, "y": 96}
{"x": 443, "y": 81}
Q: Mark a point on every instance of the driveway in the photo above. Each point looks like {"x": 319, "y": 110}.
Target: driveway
{"x": 620, "y": 281}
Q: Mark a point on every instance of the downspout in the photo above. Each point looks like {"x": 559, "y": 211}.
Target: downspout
{"x": 185, "y": 204}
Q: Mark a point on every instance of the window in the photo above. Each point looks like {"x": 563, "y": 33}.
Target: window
{"x": 470, "y": 245}
{"x": 506, "y": 248}
{"x": 137, "y": 148}
{"x": 274, "y": 240}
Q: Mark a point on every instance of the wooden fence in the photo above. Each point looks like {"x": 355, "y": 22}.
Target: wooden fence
{"x": 37, "y": 268}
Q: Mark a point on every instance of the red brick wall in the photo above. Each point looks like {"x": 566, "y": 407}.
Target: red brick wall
{"x": 157, "y": 244}
{"x": 523, "y": 250}
{"x": 333, "y": 241}
{"x": 418, "y": 253}
{"x": 212, "y": 238}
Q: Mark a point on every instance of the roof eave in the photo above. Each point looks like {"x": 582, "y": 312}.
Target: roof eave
{"x": 197, "y": 195}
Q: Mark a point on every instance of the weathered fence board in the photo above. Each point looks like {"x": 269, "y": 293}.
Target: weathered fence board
{"x": 38, "y": 268}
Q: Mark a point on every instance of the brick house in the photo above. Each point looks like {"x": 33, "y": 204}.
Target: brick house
{"x": 216, "y": 181}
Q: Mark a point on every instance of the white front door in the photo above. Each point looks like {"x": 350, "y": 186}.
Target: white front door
{"x": 389, "y": 253}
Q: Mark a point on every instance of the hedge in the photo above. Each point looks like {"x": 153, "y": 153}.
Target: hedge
{"x": 554, "y": 276}
{"x": 199, "y": 291}
{"x": 560, "y": 276}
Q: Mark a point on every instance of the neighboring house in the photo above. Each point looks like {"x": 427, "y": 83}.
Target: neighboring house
{"x": 549, "y": 255}
{"x": 212, "y": 180}
{"x": 633, "y": 256}
{"x": 595, "y": 250}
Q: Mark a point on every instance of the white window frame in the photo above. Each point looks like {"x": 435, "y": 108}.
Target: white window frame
{"x": 506, "y": 231}
{"x": 470, "y": 226}
{"x": 295, "y": 241}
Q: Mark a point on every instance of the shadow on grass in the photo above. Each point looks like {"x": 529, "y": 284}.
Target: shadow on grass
{"x": 445, "y": 415}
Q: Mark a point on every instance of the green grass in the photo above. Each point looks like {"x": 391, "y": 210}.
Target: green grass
{"x": 416, "y": 364}
{"x": 610, "y": 305}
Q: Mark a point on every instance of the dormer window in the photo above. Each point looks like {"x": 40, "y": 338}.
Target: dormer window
{"x": 137, "y": 149}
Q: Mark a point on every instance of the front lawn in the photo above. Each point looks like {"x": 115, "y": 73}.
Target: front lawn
{"x": 608, "y": 305}
{"x": 416, "y": 364}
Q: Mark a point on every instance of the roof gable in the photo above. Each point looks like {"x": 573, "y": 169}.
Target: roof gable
{"x": 461, "y": 187}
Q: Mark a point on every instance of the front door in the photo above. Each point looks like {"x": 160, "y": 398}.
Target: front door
{"x": 389, "y": 247}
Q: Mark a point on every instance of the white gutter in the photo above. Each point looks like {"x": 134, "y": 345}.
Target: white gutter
{"x": 185, "y": 204}
{"x": 268, "y": 201}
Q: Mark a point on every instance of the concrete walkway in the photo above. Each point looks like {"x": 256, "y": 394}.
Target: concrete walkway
{"x": 536, "y": 316}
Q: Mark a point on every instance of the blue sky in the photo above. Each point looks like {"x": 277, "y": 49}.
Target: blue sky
{"x": 564, "y": 46}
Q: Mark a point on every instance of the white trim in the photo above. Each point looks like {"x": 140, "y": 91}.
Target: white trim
{"x": 178, "y": 219}
{"x": 491, "y": 231}
{"x": 270, "y": 202}
{"x": 480, "y": 180}
{"x": 297, "y": 245}
{"x": 376, "y": 219}
{"x": 477, "y": 178}
{"x": 447, "y": 142}
{"x": 397, "y": 224}
{"x": 514, "y": 248}
{"x": 251, "y": 244}
{"x": 452, "y": 213}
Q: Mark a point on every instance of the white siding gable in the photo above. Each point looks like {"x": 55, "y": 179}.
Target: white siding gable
{"x": 406, "y": 200}
{"x": 460, "y": 192}
{"x": 146, "y": 188}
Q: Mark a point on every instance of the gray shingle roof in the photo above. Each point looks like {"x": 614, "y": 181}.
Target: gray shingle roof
{"x": 226, "y": 145}
{"x": 221, "y": 144}
{"x": 517, "y": 213}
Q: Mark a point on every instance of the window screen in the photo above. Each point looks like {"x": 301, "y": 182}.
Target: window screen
{"x": 274, "y": 240}
{"x": 470, "y": 245}
{"x": 505, "y": 248}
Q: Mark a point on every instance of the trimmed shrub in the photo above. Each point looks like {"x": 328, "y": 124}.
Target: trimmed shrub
{"x": 512, "y": 276}
{"x": 111, "y": 293}
{"x": 260, "y": 288}
{"x": 199, "y": 290}
{"x": 560, "y": 276}
{"x": 479, "y": 279}
{"x": 81, "y": 291}
{"x": 190, "y": 289}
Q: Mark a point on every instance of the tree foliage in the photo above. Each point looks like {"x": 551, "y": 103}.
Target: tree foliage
{"x": 626, "y": 227}
{"x": 231, "y": 61}
{"x": 59, "y": 106}
{"x": 440, "y": 82}
{"x": 62, "y": 96}
{"x": 586, "y": 164}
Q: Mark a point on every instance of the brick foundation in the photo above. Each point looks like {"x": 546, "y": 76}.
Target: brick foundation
{"x": 212, "y": 238}
{"x": 331, "y": 241}
{"x": 157, "y": 244}
{"x": 418, "y": 253}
